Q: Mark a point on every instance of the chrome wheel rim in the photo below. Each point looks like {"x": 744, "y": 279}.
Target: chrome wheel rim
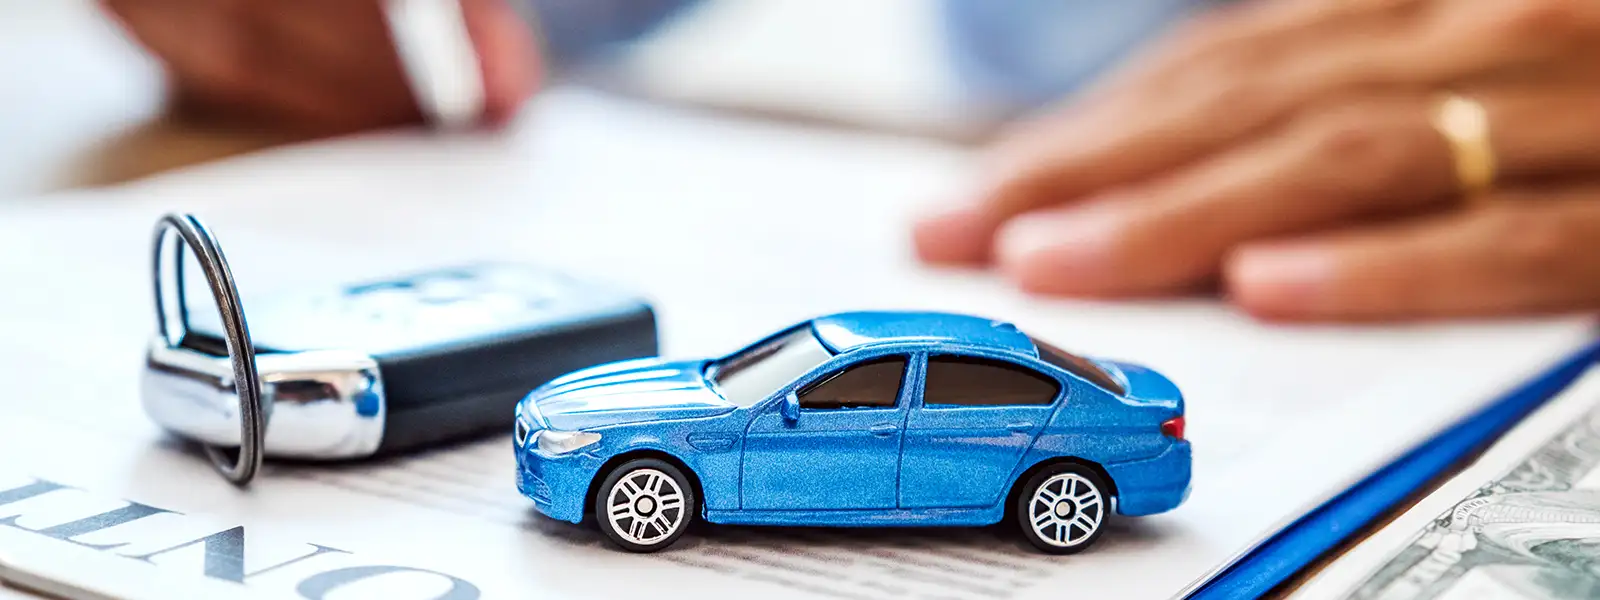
{"x": 645, "y": 507}
{"x": 1066, "y": 510}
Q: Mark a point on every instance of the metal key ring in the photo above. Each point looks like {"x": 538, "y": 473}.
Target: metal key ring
{"x": 253, "y": 411}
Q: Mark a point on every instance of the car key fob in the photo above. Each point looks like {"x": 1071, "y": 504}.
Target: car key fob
{"x": 394, "y": 365}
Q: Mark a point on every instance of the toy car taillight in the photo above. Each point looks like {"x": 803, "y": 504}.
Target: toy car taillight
{"x": 1173, "y": 428}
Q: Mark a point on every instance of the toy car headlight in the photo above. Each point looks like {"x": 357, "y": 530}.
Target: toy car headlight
{"x": 554, "y": 442}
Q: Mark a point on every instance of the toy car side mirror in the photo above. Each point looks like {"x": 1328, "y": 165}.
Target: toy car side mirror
{"x": 790, "y": 408}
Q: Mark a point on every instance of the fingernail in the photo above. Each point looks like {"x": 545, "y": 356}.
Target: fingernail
{"x": 1070, "y": 250}
{"x": 956, "y": 234}
{"x": 1281, "y": 281}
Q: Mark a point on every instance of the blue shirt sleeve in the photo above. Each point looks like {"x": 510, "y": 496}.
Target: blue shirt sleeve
{"x": 577, "y": 31}
{"x": 1011, "y": 55}
{"x": 1016, "y": 55}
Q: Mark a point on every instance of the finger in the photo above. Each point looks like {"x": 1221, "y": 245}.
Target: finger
{"x": 1467, "y": 37}
{"x": 1373, "y": 157}
{"x": 1544, "y": 131}
{"x": 1234, "y": 95}
{"x": 1232, "y": 89}
{"x": 1034, "y": 163}
{"x": 194, "y": 40}
{"x": 1357, "y": 160}
{"x": 1531, "y": 252}
{"x": 956, "y": 234}
{"x": 325, "y": 66}
{"x": 211, "y": 52}
{"x": 344, "y": 50}
{"x": 506, "y": 53}
{"x": 1216, "y": 90}
{"x": 1353, "y": 160}
{"x": 1143, "y": 124}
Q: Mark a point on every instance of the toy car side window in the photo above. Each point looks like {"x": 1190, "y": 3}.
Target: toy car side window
{"x": 967, "y": 381}
{"x": 870, "y": 384}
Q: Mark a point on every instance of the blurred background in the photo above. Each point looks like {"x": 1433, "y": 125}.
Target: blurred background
{"x": 83, "y": 103}
{"x": 1313, "y": 159}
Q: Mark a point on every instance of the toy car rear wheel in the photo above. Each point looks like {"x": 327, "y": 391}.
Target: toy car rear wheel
{"x": 1062, "y": 508}
{"x": 645, "y": 505}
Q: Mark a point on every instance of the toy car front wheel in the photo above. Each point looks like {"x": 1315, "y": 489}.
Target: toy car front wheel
{"x": 644, "y": 505}
{"x": 1062, "y": 509}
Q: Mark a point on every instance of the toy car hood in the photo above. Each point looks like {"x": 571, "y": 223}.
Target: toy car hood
{"x": 629, "y": 392}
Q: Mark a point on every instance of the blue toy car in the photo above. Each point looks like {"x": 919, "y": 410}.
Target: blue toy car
{"x": 858, "y": 419}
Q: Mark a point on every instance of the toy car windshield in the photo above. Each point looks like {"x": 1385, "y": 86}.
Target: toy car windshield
{"x": 750, "y": 375}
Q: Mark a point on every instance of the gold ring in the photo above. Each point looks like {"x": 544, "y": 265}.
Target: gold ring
{"x": 1465, "y": 126}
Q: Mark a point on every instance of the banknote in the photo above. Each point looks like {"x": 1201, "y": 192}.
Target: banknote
{"x": 1522, "y": 522}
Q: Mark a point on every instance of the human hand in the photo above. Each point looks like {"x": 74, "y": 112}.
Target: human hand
{"x": 316, "y": 66}
{"x": 1286, "y": 149}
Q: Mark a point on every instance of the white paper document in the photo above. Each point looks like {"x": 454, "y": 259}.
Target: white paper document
{"x": 41, "y": 564}
{"x": 734, "y": 229}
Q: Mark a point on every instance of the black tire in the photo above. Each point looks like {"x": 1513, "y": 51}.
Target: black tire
{"x": 1074, "y": 519}
{"x": 647, "y": 520}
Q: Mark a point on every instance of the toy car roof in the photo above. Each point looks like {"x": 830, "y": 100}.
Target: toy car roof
{"x": 846, "y": 331}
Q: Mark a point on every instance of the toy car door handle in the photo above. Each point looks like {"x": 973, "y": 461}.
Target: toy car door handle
{"x": 883, "y": 429}
{"x": 1020, "y": 426}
